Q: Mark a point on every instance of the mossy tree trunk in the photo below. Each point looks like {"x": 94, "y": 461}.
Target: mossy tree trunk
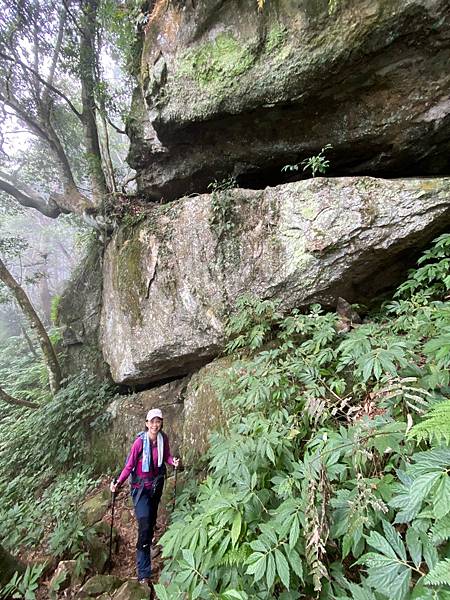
{"x": 8, "y": 566}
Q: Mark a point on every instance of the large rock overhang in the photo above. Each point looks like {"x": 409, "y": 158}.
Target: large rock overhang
{"x": 170, "y": 281}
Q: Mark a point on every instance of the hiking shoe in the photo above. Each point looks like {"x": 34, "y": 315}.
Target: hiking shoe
{"x": 145, "y": 581}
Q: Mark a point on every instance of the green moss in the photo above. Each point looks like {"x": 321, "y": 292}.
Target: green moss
{"x": 129, "y": 280}
{"x": 106, "y": 455}
{"x": 204, "y": 412}
{"x": 219, "y": 61}
{"x": 275, "y": 38}
{"x": 131, "y": 251}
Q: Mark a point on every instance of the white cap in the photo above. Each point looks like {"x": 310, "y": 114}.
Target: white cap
{"x": 152, "y": 413}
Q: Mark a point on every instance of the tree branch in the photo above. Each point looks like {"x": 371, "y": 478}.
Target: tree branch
{"x": 71, "y": 201}
{"x": 121, "y": 131}
{"x": 27, "y": 196}
{"x": 62, "y": 22}
{"x": 23, "y": 115}
{"x": 72, "y": 16}
{"x": 10, "y": 400}
{"x": 42, "y": 80}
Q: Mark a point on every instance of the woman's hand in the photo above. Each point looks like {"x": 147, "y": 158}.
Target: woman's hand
{"x": 176, "y": 462}
{"x": 113, "y": 487}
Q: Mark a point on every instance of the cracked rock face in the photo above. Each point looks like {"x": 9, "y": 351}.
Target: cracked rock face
{"x": 170, "y": 281}
{"x": 227, "y": 89}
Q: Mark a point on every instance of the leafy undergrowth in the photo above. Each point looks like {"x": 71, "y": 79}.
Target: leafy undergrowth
{"x": 331, "y": 479}
{"x": 47, "y": 472}
{"x": 46, "y": 469}
{"x": 123, "y": 549}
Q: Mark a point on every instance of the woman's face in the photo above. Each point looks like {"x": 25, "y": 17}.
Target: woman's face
{"x": 154, "y": 426}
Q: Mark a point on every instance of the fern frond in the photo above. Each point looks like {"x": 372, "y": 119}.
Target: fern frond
{"x": 235, "y": 556}
{"x": 435, "y": 425}
{"x": 440, "y": 575}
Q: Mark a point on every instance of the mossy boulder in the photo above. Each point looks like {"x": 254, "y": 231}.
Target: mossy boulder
{"x": 8, "y": 566}
{"x": 203, "y": 411}
{"x": 95, "y": 508}
{"x": 63, "y": 577}
{"x": 97, "y": 585}
{"x": 302, "y": 242}
{"x": 79, "y": 317}
{"x": 132, "y": 590}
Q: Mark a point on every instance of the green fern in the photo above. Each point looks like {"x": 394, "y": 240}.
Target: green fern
{"x": 235, "y": 556}
{"x": 440, "y": 575}
{"x": 435, "y": 426}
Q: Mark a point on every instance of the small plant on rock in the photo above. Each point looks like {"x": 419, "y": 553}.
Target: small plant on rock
{"x": 221, "y": 219}
{"x": 317, "y": 163}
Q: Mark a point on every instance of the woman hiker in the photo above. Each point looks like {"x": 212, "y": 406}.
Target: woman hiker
{"x": 146, "y": 465}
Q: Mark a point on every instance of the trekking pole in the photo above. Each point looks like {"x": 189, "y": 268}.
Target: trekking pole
{"x": 113, "y": 501}
{"x": 175, "y": 490}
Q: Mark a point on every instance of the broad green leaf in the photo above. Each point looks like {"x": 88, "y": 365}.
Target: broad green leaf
{"x": 439, "y": 575}
{"x": 257, "y": 568}
{"x": 441, "y": 499}
{"x": 359, "y": 592}
{"x": 197, "y": 590}
{"x": 294, "y": 532}
{"x": 282, "y": 568}
{"x": 270, "y": 454}
{"x": 429, "y": 551}
{"x": 236, "y": 528}
{"x": 347, "y": 542}
{"x": 234, "y": 595}
{"x": 414, "y": 546}
{"x": 295, "y": 561}
{"x": 378, "y": 542}
{"x": 400, "y": 588}
{"x": 367, "y": 368}
{"x": 270, "y": 574}
{"x": 258, "y": 546}
{"x": 188, "y": 556}
{"x": 394, "y": 540}
{"x": 421, "y": 486}
{"x": 161, "y": 592}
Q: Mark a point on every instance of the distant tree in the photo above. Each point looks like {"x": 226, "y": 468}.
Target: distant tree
{"x": 36, "y": 324}
{"x": 50, "y": 83}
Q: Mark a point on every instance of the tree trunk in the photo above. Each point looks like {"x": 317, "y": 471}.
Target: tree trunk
{"x": 29, "y": 342}
{"x": 87, "y": 79}
{"x": 54, "y": 370}
{"x": 8, "y": 566}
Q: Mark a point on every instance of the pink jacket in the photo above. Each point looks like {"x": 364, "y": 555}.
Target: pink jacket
{"x": 135, "y": 460}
